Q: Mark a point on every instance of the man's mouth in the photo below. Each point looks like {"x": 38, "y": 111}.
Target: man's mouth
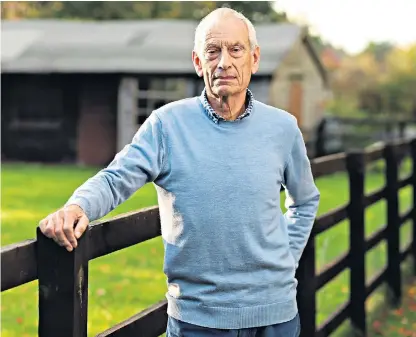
{"x": 225, "y": 78}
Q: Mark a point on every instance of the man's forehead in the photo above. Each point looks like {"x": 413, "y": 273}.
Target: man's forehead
{"x": 226, "y": 29}
{"x": 221, "y": 21}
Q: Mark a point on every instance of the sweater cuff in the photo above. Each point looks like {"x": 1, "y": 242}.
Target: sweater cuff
{"x": 82, "y": 203}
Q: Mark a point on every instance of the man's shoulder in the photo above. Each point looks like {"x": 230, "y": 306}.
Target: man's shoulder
{"x": 178, "y": 107}
{"x": 273, "y": 114}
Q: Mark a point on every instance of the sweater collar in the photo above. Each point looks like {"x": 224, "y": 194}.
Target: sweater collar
{"x": 216, "y": 117}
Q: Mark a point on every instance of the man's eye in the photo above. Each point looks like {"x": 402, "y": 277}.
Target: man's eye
{"x": 237, "y": 50}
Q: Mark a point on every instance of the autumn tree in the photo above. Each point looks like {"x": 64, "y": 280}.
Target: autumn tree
{"x": 398, "y": 85}
{"x": 261, "y": 11}
{"x": 381, "y": 80}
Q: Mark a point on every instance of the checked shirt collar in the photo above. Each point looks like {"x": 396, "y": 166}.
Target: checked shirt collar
{"x": 216, "y": 117}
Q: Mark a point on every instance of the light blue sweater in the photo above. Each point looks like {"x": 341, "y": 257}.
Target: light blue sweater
{"x": 230, "y": 252}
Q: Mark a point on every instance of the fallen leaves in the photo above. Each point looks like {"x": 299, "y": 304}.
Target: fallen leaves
{"x": 398, "y": 322}
{"x": 377, "y": 327}
{"x": 412, "y": 291}
{"x": 101, "y": 292}
{"x": 398, "y": 312}
{"x": 104, "y": 268}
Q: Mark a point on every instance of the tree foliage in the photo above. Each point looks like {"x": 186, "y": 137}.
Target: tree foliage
{"x": 261, "y": 11}
{"x": 379, "y": 80}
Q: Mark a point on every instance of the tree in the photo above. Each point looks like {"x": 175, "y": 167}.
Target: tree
{"x": 379, "y": 50}
{"x": 379, "y": 80}
{"x": 135, "y": 10}
{"x": 399, "y": 83}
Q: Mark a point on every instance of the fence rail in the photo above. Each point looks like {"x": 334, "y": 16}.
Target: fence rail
{"x": 63, "y": 277}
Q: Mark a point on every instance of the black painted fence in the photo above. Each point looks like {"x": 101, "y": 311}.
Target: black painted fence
{"x": 63, "y": 277}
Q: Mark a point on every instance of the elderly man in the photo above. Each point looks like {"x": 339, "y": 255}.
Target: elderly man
{"x": 218, "y": 162}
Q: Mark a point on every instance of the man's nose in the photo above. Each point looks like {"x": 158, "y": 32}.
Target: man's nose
{"x": 225, "y": 60}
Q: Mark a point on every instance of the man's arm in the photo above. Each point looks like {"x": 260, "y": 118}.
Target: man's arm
{"x": 138, "y": 163}
{"x": 302, "y": 197}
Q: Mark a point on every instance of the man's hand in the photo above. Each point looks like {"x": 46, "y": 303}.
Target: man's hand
{"x": 59, "y": 226}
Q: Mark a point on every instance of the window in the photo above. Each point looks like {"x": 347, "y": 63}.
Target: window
{"x": 156, "y": 92}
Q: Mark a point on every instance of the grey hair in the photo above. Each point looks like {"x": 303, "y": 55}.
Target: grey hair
{"x": 201, "y": 29}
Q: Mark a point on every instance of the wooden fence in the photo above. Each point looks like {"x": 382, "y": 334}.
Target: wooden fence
{"x": 63, "y": 276}
{"x": 339, "y": 134}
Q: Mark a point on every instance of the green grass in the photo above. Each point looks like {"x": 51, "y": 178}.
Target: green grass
{"x": 130, "y": 280}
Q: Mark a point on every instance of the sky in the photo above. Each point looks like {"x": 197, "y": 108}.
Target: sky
{"x": 352, "y": 24}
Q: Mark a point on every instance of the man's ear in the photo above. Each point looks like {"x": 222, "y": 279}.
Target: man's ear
{"x": 256, "y": 60}
{"x": 197, "y": 63}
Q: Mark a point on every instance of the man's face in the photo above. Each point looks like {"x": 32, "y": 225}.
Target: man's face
{"x": 225, "y": 59}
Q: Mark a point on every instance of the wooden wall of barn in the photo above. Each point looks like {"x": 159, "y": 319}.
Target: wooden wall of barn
{"x": 59, "y": 117}
{"x": 39, "y": 115}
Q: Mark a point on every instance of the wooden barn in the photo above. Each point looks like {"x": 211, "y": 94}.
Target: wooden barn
{"x": 77, "y": 91}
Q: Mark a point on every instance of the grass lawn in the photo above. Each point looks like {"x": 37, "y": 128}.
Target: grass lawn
{"x": 130, "y": 280}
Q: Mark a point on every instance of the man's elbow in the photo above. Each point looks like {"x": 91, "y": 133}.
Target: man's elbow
{"x": 310, "y": 204}
{"x": 315, "y": 198}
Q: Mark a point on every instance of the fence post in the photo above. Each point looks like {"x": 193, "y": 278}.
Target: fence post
{"x": 402, "y": 129}
{"x": 306, "y": 297}
{"x": 356, "y": 173}
{"x": 413, "y": 153}
{"x": 63, "y": 288}
{"x": 393, "y": 225}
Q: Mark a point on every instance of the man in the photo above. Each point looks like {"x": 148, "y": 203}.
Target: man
{"x": 218, "y": 162}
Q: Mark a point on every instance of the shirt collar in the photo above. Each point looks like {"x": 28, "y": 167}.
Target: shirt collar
{"x": 216, "y": 117}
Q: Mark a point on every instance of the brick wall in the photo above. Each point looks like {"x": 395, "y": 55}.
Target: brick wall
{"x": 96, "y": 141}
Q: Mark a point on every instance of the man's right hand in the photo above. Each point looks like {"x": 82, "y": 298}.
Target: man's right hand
{"x": 65, "y": 226}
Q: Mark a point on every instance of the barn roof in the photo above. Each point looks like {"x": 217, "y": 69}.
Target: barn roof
{"x": 141, "y": 46}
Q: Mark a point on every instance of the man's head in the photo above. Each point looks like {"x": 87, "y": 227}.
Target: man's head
{"x": 225, "y": 53}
